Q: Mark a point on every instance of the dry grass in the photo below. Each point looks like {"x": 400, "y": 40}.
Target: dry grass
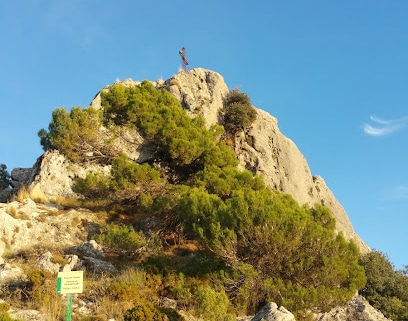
{"x": 230, "y": 141}
{"x": 96, "y": 290}
{"x": 67, "y": 202}
{"x": 13, "y": 211}
{"x": 110, "y": 308}
{"x": 173, "y": 82}
{"x": 35, "y": 194}
{"x": 52, "y": 305}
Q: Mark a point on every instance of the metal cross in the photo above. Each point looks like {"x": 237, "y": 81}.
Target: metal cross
{"x": 182, "y": 53}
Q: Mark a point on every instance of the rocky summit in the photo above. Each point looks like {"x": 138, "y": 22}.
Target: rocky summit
{"x": 262, "y": 149}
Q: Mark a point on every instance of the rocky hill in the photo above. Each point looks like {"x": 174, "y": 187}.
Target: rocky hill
{"x": 262, "y": 149}
{"x": 25, "y": 226}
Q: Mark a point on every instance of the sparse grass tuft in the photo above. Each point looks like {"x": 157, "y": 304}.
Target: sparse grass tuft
{"x": 67, "y": 201}
{"x": 59, "y": 259}
{"x": 36, "y": 194}
{"x": 12, "y": 211}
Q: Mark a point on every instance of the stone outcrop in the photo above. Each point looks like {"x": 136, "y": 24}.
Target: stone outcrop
{"x": 356, "y": 309}
{"x": 10, "y": 273}
{"x": 28, "y": 315}
{"x": 200, "y": 91}
{"x": 25, "y": 226}
{"x": 271, "y": 312}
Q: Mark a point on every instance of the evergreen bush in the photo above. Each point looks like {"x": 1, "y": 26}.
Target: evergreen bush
{"x": 386, "y": 288}
{"x": 238, "y": 113}
{"x": 121, "y": 238}
{"x": 145, "y": 312}
{"x": 76, "y": 134}
{"x": 4, "y": 177}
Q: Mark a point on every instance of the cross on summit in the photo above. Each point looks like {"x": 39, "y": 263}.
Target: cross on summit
{"x": 184, "y": 61}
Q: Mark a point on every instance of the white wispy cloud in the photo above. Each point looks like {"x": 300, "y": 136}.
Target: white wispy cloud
{"x": 401, "y": 192}
{"x": 381, "y": 127}
{"x": 395, "y": 193}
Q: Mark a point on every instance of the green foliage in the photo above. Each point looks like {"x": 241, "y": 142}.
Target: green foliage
{"x": 238, "y": 113}
{"x": 145, "y": 312}
{"x": 123, "y": 291}
{"x": 77, "y": 135}
{"x": 4, "y": 177}
{"x": 223, "y": 181}
{"x": 128, "y": 182}
{"x": 212, "y": 305}
{"x": 129, "y": 175}
{"x": 172, "y": 314}
{"x": 93, "y": 186}
{"x": 122, "y": 238}
{"x": 281, "y": 240}
{"x": 386, "y": 289}
{"x": 36, "y": 278}
{"x": 160, "y": 118}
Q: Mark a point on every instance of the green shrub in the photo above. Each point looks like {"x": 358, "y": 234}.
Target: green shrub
{"x": 237, "y": 113}
{"x": 212, "y": 305}
{"x": 145, "y": 312}
{"x": 36, "y": 278}
{"x": 93, "y": 186}
{"x": 76, "y": 134}
{"x": 160, "y": 118}
{"x": 121, "y": 238}
{"x": 386, "y": 288}
{"x": 284, "y": 242}
{"x": 172, "y": 314}
{"x": 123, "y": 291}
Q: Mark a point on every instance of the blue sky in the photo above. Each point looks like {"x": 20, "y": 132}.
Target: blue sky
{"x": 334, "y": 73}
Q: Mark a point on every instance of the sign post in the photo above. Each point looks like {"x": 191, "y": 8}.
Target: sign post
{"x": 70, "y": 283}
{"x": 68, "y": 314}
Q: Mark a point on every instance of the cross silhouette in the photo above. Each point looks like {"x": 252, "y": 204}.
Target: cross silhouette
{"x": 182, "y": 53}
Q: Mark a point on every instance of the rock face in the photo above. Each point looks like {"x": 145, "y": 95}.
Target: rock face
{"x": 24, "y": 226}
{"x": 354, "y": 310}
{"x": 271, "y": 312}
{"x": 262, "y": 149}
{"x": 200, "y": 91}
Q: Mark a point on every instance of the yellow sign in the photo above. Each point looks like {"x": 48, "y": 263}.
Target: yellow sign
{"x": 70, "y": 282}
